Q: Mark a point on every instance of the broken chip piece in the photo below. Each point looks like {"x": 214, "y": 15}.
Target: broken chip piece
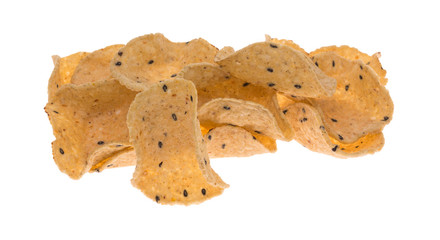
{"x": 152, "y": 58}
{"x": 172, "y": 163}
{"x": 86, "y": 118}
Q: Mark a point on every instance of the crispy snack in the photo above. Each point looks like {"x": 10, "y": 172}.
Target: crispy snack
{"x": 152, "y": 58}
{"x": 286, "y": 42}
{"x": 311, "y": 133}
{"x": 89, "y": 123}
{"x": 246, "y": 114}
{"x": 63, "y": 70}
{"x": 172, "y": 163}
{"x": 279, "y": 67}
{"x": 354, "y": 54}
{"x": 212, "y": 82}
{"x": 360, "y": 105}
{"x": 95, "y": 66}
{"x": 233, "y": 141}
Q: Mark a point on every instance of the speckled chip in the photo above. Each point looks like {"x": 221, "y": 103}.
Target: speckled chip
{"x": 152, "y": 58}
{"x": 212, "y": 82}
{"x": 232, "y": 141}
{"x": 279, "y": 67}
{"x": 311, "y": 133}
{"x": 89, "y": 123}
{"x": 173, "y": 166}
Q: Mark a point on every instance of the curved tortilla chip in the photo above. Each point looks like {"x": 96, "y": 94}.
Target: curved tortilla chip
{"x": 360, "y": 105}
{"x": 111, "y": 156}
{"x": 95, "y": 66}
{"x": 212, "y": 82}
{"x": 286, "y": 42}
{"x": 354, "y": 54}
{"x": 224, "y": 53}
{"x": 249, "y": 115}
{"x": 86, "y": 118}
{"x": 279, "y": 67}
{"x": 172, "y": 162}
{"x": 63, "y": 70}
{"x": 231, "y": 141}
{"x": 311, "y": 133}
{"x": 152, "y": 58}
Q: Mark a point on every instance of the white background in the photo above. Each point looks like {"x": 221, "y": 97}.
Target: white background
{"x": 292, "y": 194}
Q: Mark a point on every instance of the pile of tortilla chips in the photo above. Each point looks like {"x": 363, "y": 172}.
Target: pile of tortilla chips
{"x": 169, "y": 107}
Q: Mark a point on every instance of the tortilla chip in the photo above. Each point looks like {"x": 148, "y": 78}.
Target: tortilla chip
{"x": 232, "y": 141}
{"x": 246, "y": 114}
{"x": 224, "y": 53}
{"x": 95, "y": 66}
{"x": 360, "y": 105}
{"x": 63, "y": 70}
{"x": 86, "y": 118}
{"x": 212, "y": 82}
{"x": 152, "y": 58}
{"x": 279, "y": 67}
{"x": 311, "y": 133}
{"x": 172, "y": 163}
{"x": 112, "y": 156}
{"x": 285, "y": 42}
{"x": 354, "y": 54}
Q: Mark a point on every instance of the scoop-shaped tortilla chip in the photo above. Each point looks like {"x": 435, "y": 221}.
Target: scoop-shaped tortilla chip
{"x": 311, "y": 133}
{"x": 172, "y": 163}
{"x": 111, "y": 156}
{"x": 360, "y": 105}
{"x": 85, "y": 118}
{"x": 95, "y": 66}
{"x": 232, "y": 141}
{"x": 152, "y": 58}
{"x": 286, "y": 42}
{"x": 212, "y": 82}
{"x": 63, "y": 70}
{"x": 279, "y": 67}
{"x": 354, "y": 54}
{"x": 247, "y": 114}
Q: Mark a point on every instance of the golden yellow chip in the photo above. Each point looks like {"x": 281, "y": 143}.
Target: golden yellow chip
{"x": 233, "y": 141}
{"x": 354, "y": 54}
{"x": 360, "y": 105}
{"x": 95, "y": 66}
{"x": 311, "y": 133}
{"x": 86, "y": 118}
{"x": 279, "y": 67}
{"x": 212, "y": 82}
{"x": 63, "y": 70}
{"x": 173, "y": 166}
{"x": 152, "y": 58}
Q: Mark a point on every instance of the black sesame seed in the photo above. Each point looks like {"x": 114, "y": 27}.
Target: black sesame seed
{"x": 61, "y": 151}
{"x": 157, "y": 198}
{"x": 346, "y": 87}
{"x": 223, "y": 146}
{"x": 160, "y": 144}
{"x": 333, "y": 63}
{"x": 356, "y": 146}
{"x": 226, "y": 107}
{"x": 151, "y": 62}
{"x": 334, "y": 149}
{"x": 245, "y": 84}
{"x": 254, "y": 137}
{"x": 160, "y": 164}
{"x": 186, "y": 42}
{"x": 100, "y": 142}
{"x": 360, "y": 77}
{"x": 56, "y": 112}
{"x": 273, "y": 46}
{"x": 316, "y": 63}
{"x": 120, "y": 53}
{"x": 322, "y": 128}
{"x": 298, "y": 86}
{"x": 334, "y": 120}
{"x": 174, "y": 117}
{"x": 185, "y": 193}
{"x": 304, "y": 119}
{"x": 340, "y": 137}
{"x": 191, "y": 98}
{"x": 304, "y": 111}
{"x": 57, "y": 85}
{"x": 118, "y": 63}
{"x": 164, "y": 87}
{"x": 285, "y": 111}
{"x": 205, "y": 161}
{"x": 118, "y": 145}
{"x": 293, "y": 96}
{"x": 270, "y": 84}
{"x": 109, "y": 165}
{"x": 269, "y": 69}
{"x": 361, "y": 67}
{"x": 203, "y": 191}
{"x": 173, "y": 75}
{"x": 143, "y": 119}
{"x": 385, "y": 118}
{"x": 257, "y": 132}
{"x": 209, "y": 137}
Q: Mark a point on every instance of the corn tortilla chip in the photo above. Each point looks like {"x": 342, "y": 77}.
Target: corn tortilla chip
{"x": 279, "y": 67}
{"x": 212, "y": 82}
{"x": 360, "y": 105}
{"x": 233, "y": 141}
{"x": 152, "y": 58}
{"x": 311, "y": 133}
{"x": 86, "y": 118}
{"x": 95, "y": 66}
{"x": 172, "y": 163}
{"x": 224, "y": 53}
{"x": 112, "y": 156}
